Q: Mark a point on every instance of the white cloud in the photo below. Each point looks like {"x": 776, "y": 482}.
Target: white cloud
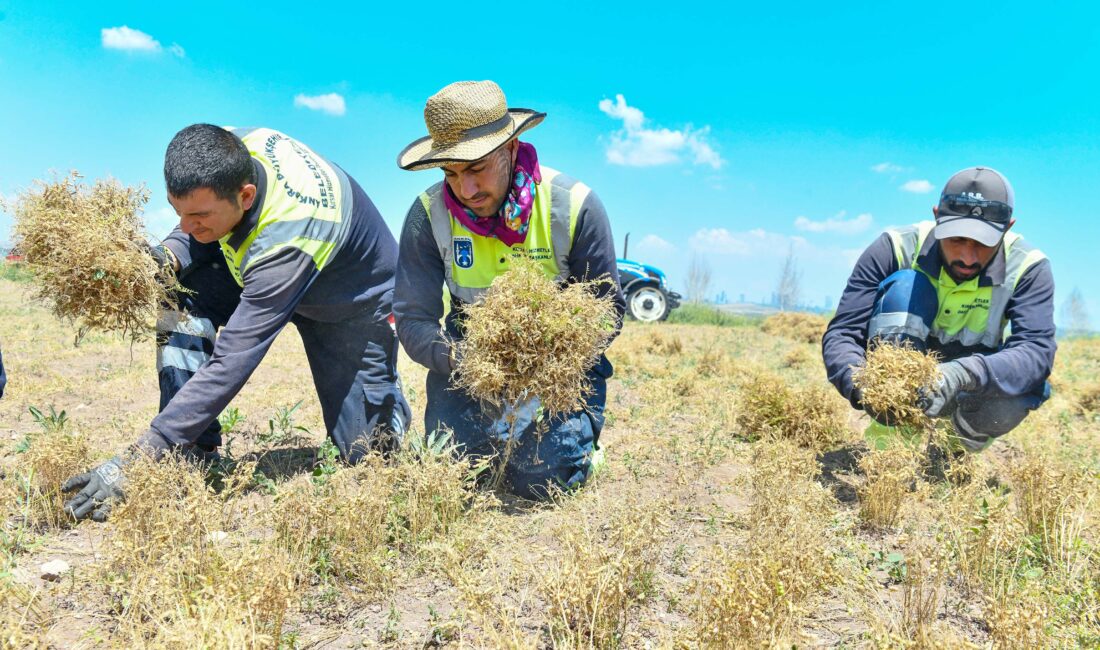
{"x": 131, "y": 40}
{"x": 654, "y": 244}
{"x": 921, "y": 186}
{"x": 838, "y": 223}
{"x": 134, "y": 40}
{"x": 636, "y": 146}
{"x": 750, "y": 242}
{"x": 887, "y": 168}
{"x": 330, "y": 103}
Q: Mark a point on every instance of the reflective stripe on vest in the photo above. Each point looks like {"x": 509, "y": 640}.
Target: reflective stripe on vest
{"x": 471, "y": 262}
{"x": 954, "y": 323}
{"x": 306, "y": 203}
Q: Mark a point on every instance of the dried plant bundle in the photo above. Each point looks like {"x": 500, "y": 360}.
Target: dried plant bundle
{"x": 86, "y": 248}
{"x": 891, "y": 378}
{"x": 797, "y": 326}
{"x": 531, "y": 337}
{"x": 891, "y": 475}
{"x": 812, "y": 416}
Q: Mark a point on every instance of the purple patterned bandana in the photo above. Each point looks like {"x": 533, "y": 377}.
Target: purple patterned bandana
{"x": 516, "y": 210}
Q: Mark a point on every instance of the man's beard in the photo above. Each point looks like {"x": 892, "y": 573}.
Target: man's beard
{"x": 960, "y": 272}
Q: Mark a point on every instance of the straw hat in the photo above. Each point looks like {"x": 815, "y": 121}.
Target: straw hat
{"x": 467, "y": 120}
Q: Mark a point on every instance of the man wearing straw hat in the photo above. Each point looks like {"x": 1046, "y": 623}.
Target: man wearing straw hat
{"x": 951, "y": 286}
{"x": 496, "y": 202}
{"x": 270, "y": 233}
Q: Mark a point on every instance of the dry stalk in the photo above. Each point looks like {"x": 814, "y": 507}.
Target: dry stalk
{"x": 753, "y": 597}
{"x": 22, "y": 624}
{"x": 985, "y": 535}
{"x": 1018, "y": 620}
{"x": 891, "y": 378}
{"x": 797, "y": 326}
{"x": 1088, "y": 399}
{"x": 33, "y": 492}
{"x": 603, "y": 570}
{"x": 890, "y": 475}
{"x": 181, "y": 571}
{"x": 530, "y": 337}
{"x": 85, "y": 246}
{"x": 812, "y": 416}
{"x": 1054, "y": 503}
{"x": 925, "y": 577}
{"x": 796, "y": 358}
{"x": 666, "y": 344}
{"x": 350, "y": 525}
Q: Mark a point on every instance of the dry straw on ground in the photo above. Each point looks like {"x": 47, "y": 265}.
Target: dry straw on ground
{"x": 179, "y": 566}
{"x": 891, "y": 474}
{"x": 797, "y": 326}
{"x": 812, "y": 416}
{"x": 891, "y": 379}
{"x": 601, "y": 571}
{"x": 85, "y": 246}
{"x": 754, "y": 597}
{"x": 529, "y": 337}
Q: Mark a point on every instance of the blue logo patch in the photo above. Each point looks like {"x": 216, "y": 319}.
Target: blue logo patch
{"x": 464, "y": 252}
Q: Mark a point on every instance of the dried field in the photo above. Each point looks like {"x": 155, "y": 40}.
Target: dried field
{"x": 738, "y": 508}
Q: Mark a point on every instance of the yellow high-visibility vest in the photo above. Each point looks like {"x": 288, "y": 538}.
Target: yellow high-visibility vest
{"x": 968, "y": 314}
{"x": 306, "y": 203}
{"x": 471, "y": 262}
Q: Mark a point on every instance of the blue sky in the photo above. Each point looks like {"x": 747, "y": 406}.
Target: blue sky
{"x": 728, "y": 132}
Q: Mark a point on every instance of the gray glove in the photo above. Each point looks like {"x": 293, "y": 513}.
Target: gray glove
{"x": 98, "y": 488}
{"x": 939, "y": 400}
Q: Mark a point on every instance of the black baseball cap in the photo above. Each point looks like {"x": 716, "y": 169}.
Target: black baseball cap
{"x": 977, "y": 204}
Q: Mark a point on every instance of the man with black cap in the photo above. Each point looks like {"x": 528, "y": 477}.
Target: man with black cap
{"x": 496, "y": 202}
{"x": 951, "y": 286}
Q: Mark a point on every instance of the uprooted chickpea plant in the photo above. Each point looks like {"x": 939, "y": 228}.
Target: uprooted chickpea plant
{"x": 739, "y": 508}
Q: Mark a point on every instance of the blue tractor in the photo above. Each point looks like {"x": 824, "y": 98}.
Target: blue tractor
{"x": 648, "y": 297}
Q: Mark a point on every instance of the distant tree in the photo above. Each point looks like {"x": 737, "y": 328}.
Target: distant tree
{"x": 790, "y": 283}
{"x": 699, "y": 277}
{"x": 1075, "y": 314}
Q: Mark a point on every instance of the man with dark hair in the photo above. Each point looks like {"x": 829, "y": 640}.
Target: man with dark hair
{"x": 497, "y": 202}
{"x": 3, "y": 377}
{"x": 951, "y": 286}
{"x": 270, "y": 233}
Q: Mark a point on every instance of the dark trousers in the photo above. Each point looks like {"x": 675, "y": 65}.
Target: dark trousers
{"x": 353, "y": 361}
{"x": 549, "y": 450}
{"x": 905, "y": 308}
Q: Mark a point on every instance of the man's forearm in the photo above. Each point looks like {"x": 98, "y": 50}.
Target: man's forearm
{"x": 425, "y": 344}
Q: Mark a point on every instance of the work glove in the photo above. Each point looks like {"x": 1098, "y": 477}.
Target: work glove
{"x": 98, "y": 488}
{"x": 163, "y": 257}
{"x": 939, "y": 400}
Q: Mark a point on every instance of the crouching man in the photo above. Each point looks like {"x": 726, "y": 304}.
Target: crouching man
{"x": 270, "y": 233}
{"x": 951, "y": 286}
{"x": 496, "y": 203}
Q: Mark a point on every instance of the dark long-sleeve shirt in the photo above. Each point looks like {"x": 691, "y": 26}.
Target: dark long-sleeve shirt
{"x": 418, "y": 293}
{"x": 1022, "y": 363}
{"x": 277, "y": 287}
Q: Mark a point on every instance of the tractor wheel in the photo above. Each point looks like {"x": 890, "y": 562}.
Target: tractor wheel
{"x": 648, "y": 304}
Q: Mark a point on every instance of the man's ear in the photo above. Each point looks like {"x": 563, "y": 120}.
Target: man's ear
{"x": 248, "y": 196}
{"x": 936, "y": 211}
{"x": 1011, "y": 222}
